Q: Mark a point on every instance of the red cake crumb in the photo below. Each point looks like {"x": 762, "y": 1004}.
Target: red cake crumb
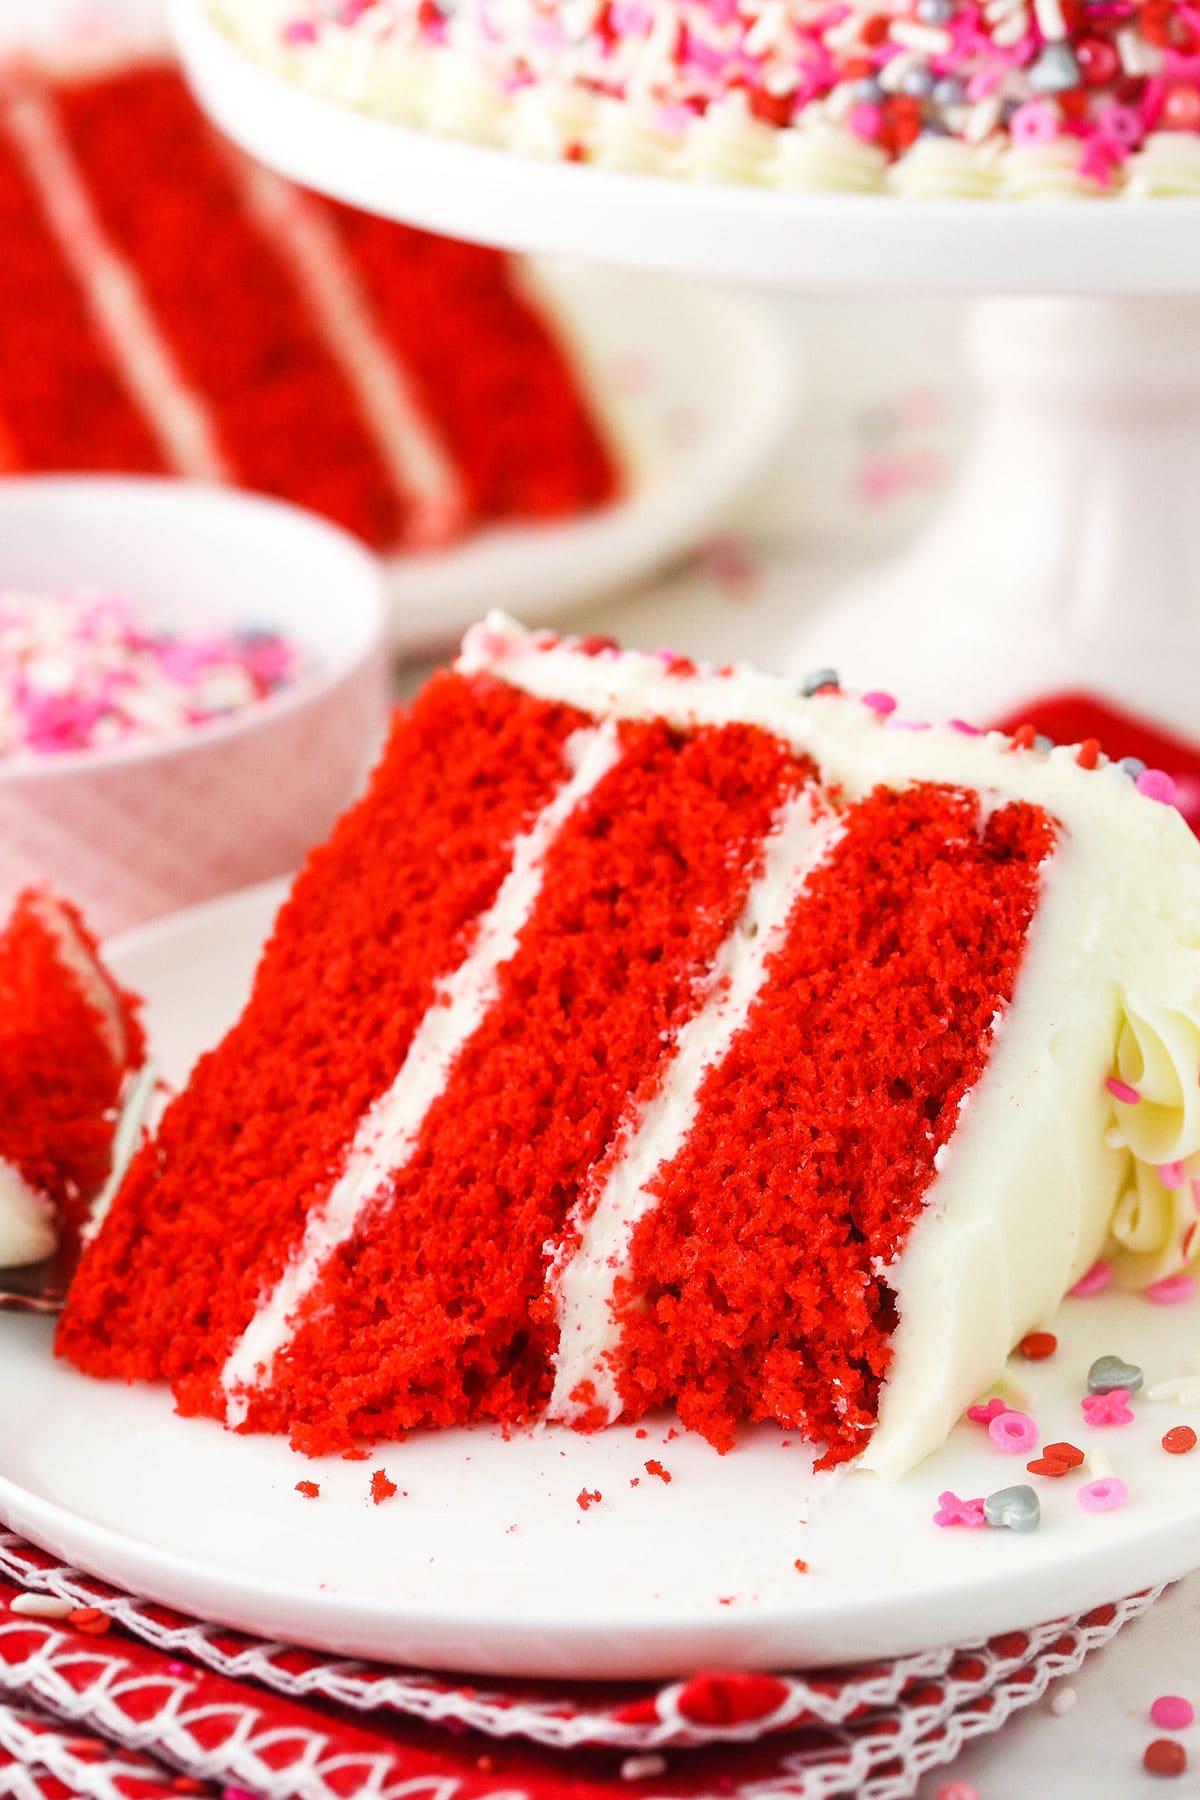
{"x": 584, "y": 1499}
{"x": 800, "y": 1565}
{"x": 752, "y": 1290}
{"x": 381, "y": 1488}
{"x": 654, "y": 1467}
{"x": 310, "y": 1489}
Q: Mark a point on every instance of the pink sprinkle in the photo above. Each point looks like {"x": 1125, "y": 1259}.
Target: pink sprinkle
{"x": 1103, "y": 1496}
{"x": 957, "y": 1790}
{"x": 299, "y": 31}
{"x": 1034, "y": 123}
{"x": 1171, "y": 1175}
{"x": 865, "y": 121}
{"x": 966, "y": 730}
{"x": 1112, "y": 1408}
{"x": 883, "y": 704}
{"x": 1121, "y": 1090}
{"x": 1171, "y": 1290}
{"x": 895, "y": 724}
{"x": 953, "y": 1511}
{"x": 1094, "y": 1282}
{"x": 986, "y": 1411}
{"x": 1172, "y": 1712}
{"x": 1156, "y": 784}
{"x": 1013, "y": 1431}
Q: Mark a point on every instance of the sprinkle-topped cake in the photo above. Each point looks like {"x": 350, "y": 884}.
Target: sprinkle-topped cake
{"x": 657, "y": 1035}
{"x": 69, "y": 1042}
{"x": 169, "y": 307}
{"x": 1013, "y": 98}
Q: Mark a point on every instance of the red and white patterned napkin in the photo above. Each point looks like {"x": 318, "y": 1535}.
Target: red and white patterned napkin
{"x": 126, "y": 1700}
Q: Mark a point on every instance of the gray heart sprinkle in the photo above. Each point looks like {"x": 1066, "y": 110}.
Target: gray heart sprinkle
{"x": 1017, "y": 1508}
{"x": 1055, "y": 70}
{"x": 1109, "y": 1372}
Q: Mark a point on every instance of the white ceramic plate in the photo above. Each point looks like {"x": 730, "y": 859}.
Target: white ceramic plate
{"x": 486, "y": 1562}
{"x": 697, "y": 387}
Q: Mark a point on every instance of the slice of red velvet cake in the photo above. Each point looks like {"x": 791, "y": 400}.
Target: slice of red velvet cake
{"x": 168, "y": 306}
{"x": 658, "y": 1035}
{"x": 69, "y": 1041}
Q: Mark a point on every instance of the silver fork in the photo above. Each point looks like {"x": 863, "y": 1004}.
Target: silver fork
{"x": 42, "y": 1287}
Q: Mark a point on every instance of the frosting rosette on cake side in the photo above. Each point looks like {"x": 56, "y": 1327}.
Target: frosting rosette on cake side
{"x": 1156, "y": 1223}
{"x": 1003, "y": 98}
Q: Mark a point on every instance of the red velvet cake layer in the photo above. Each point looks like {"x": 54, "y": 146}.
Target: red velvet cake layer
{"x": 754, "y": 1289}
{"x": 239, "y": 329}
{"x": 60, "y": 1074}
{"x": 433, "y": 1313}
{"x": 487, "y": 368}
{"x": 212, "y": 1210}
{"x": 58, "y": 383}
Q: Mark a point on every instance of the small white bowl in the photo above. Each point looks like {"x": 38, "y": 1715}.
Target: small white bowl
{"x": 140, "y": 830}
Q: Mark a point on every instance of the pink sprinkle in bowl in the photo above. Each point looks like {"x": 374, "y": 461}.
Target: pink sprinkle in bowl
{"x": 138, "y": 830}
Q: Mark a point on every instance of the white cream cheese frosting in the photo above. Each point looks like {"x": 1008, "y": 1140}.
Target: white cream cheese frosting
{"x": 27, "y": 1233}
{"x": 1036, "y": 1182}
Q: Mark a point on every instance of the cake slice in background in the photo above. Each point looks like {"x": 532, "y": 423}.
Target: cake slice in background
{"x": 70, "y": 1040}
{"x": 167, "y": 306}
{"x": 659, "y": 1035}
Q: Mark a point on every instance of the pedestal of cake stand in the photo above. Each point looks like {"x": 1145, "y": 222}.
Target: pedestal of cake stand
{"x": 1069, "y": 552}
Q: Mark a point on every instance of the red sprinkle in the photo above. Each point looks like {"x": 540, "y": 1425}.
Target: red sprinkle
{"x": 381, "y": 1488}
{"x": 1089, "y": 753}
{"x": 1023, "y": 737}
{"x": 1164, "y": 1757}
{"x": 309, "y": 1489}
{"x": 1179, "y": 1440}
{"x": 1038, "y": 1345}
{"x": 801, "y": 1565}
{"x": 654, "y": 1467}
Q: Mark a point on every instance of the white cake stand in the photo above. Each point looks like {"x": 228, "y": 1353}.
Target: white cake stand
{"x": 1068, "y": 552}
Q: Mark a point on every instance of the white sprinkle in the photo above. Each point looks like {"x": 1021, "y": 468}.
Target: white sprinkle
{"x": 1049, "y": 17}
{"x": 1100, "y": 1465}
{"x": 1062, "y": 1700}
{"x": 930, "y": 39}
{"x": 41, "y": 1606}
{"x": 642, "y": 1768}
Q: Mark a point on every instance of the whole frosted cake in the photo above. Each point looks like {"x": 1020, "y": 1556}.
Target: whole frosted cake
{"x": 658, "y": 1035}
{"x": 1014, "y": 98}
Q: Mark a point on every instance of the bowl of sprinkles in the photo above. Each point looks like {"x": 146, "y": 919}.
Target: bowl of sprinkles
{"x": 192, "y": 685}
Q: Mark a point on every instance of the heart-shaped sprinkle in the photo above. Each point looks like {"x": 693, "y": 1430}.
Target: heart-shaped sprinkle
{"x": 1108, "y": 1373}
{"x": 1014, "y": 1508}
{"x": 1067, "y": 1453}
{"x": 1048, "y": 1465}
